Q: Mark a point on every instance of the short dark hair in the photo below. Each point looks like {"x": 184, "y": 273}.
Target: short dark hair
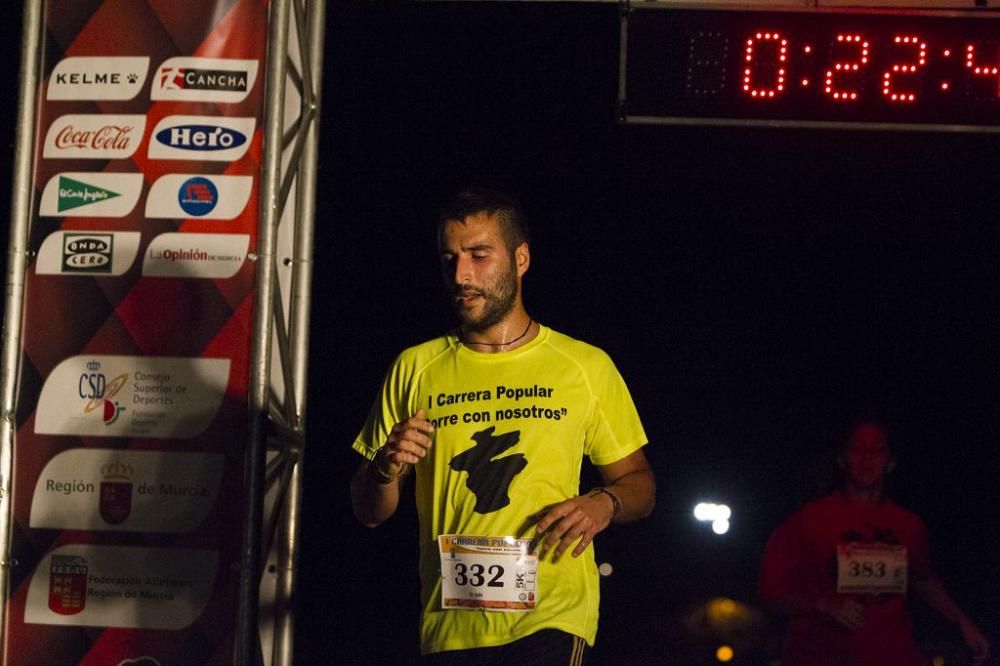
{"x": 874, "y": 422}
{"x": 474, "y": 200}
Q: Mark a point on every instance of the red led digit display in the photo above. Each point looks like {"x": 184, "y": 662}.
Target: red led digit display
{"x": 827, "y": 66}
{"x": 976, "y": 67}
{"x": 893, "y": 79}
{"x": 776, "y": 48}
{"x": 849, "y": 68}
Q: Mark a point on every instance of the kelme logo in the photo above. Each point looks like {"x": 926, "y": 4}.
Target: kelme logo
{"x": 98, "y": 78}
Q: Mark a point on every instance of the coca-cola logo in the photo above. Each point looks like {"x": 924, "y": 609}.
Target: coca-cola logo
{"x": 94, "y": 136}
{"x": 109, "y": 137}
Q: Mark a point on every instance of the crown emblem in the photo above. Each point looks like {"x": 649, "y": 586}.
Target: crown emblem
{"x": 117, "y": 470}
{"x": 94, "y": 365}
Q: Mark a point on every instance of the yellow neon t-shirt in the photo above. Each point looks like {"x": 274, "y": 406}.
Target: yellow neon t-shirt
{"x": 557, "y": 399}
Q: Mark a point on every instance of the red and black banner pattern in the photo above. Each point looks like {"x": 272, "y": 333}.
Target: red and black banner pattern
{"x": 132, "y": 407}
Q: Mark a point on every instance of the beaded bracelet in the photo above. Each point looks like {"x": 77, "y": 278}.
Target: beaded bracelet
{"x": 381, "y": 476}
{"x": 615, "y": 502}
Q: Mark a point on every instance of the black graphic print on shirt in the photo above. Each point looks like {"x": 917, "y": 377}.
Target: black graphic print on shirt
{"x": 490, "y": 479}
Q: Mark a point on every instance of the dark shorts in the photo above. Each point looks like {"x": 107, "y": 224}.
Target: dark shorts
{"x": 543, "y": 648}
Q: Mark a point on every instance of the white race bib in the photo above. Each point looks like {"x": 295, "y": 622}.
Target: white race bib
{"x": 872, "y": 568}
{"x": 491, "y": 573}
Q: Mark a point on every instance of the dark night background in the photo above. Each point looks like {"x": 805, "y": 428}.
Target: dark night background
{"x": 757, "y": 288}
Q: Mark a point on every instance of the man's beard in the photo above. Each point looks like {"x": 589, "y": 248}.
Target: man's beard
{"x": 498, "y": 301}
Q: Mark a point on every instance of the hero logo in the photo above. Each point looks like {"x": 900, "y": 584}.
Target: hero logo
{"x": 98, "y": 77}
{"x": 210, "y": 138}
{"x": 94, "y": 136}
{"x": 204, "y": 79}
{"x": 87, "y": 253}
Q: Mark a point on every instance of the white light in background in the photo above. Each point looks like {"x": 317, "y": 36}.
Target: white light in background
{"x": 716, "y": 514}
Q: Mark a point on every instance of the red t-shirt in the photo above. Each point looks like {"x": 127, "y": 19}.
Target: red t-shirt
{"x": 801, "y": 561}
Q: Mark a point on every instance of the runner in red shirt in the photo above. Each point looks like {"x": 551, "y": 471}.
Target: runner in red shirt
{"x": 841, "y": 569}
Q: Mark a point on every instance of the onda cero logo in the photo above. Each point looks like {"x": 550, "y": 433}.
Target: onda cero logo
{"x": 208, "y": 138}
{"x": 87, "y": 253}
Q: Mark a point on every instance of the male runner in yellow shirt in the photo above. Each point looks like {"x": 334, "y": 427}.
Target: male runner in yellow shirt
{"x": 496, "y": 418}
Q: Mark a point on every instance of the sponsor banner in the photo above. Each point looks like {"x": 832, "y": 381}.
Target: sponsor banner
{"x": 201, "y": 138}
{"x": 97, "y": 253}
{"x": 143, "y": 354}
{"x": 94, "y": 136}
{"x": 81, "y": 194}
{"x": 98, "y": 78}
{"x": 130, "y": 491}
{"x": 226, "y": 80}
{"x": 131, "y": 396}
{"x": 196, "y": 255}
{"x": 121, "y": 586}
{"x": 176, "y": 196}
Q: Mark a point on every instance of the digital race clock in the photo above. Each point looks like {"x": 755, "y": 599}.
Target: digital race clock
{"x": 824, "y": 67}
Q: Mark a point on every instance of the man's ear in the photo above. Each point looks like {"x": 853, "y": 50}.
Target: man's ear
{"x": 522, "y": 258}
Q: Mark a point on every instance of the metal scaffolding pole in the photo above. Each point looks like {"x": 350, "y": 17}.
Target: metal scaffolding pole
{"x": 20, "y": 215}
{"x": 299, "y": 310}
{"x": 288, "y": 188}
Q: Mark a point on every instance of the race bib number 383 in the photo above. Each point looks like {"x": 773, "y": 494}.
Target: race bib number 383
{"x": 487, "y": 572}
{"x": 871, "y": 568}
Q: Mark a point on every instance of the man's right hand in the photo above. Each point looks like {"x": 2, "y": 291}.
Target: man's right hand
{"x": 846, "y": 611}
{"x": 407, "y": 444}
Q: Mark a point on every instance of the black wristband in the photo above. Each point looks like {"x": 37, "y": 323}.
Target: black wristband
{"x": 377, "y": 474}
{"x": 615, "y": 502}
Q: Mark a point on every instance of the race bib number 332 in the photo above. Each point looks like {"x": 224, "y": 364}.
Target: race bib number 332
{"x": 487, "y": 572}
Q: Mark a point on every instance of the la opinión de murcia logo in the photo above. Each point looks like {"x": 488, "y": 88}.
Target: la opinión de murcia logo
{"x": 196, "y": 255}
{"x": 226, "y": 80}
{"x": 94, "y": 136}
{"x": 97, "y": 78}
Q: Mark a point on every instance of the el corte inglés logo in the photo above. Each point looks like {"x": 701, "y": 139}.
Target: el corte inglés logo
{"x": 75, "y": 193}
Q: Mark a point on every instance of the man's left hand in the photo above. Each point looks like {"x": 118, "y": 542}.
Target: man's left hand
{"x": 977, "y": 643}
{"x": 580, "y": 518}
